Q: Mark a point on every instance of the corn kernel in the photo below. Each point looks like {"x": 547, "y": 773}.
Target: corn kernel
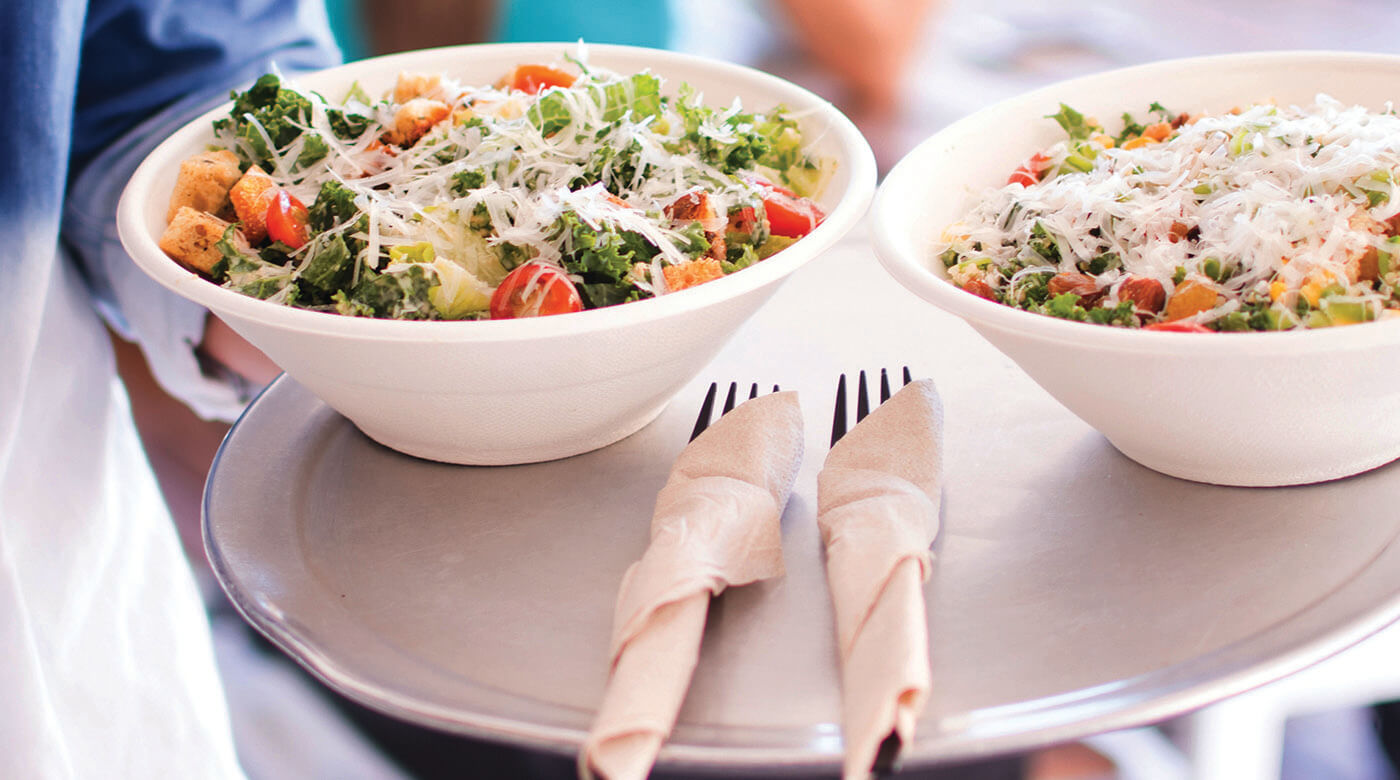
{"x": 1139, "y": 142}
{"x": 1312, "y": 291}
{"x": 1106, "y": 141}
{"x": 1276, "y": 289}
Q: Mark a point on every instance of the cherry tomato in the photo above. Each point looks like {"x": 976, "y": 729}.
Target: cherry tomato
{"x": 778, "y": 188}
{"x": 1029, "y": 173}
{"x": 789, "y": 215}
{"x": 287, "y": 220}
{"x": 534, "y": 290}
{"x": 1178, "y": 326}
{"x": 533, "y": 78}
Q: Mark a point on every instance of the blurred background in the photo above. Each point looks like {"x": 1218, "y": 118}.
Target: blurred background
{"x": 901, "y": 69}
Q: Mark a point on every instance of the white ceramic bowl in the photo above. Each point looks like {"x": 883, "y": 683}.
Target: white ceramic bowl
{"x": 514, "y": 391}
{"x": 1251, "y": 409}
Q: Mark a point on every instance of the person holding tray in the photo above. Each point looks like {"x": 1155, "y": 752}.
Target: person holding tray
{"x": 107, "y": 665}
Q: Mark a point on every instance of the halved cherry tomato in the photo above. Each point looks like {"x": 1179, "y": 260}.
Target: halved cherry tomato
{"x": 534, "y": 290}
{"x": 533, "y": 78}
{"x": 287, "y": 220}
{"x": 789, "y": 215}
{"x": 778, "y": 188}
{"x": 1178, "y": 326}
{"x": 1029, "y": 173}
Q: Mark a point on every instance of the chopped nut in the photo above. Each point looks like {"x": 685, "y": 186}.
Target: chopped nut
{"x": 1147, "y": 295}
{"x": 1082, "y": 285}
{"x": 981, "y": 289}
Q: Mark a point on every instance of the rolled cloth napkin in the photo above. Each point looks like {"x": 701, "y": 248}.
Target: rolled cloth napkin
{"x": 716, "y": 524}
{"x": 877, "y": 505}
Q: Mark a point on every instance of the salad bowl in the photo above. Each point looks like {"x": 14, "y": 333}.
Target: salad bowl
{"x": 1247, "y": 409}
{"x": 494, "y": 392}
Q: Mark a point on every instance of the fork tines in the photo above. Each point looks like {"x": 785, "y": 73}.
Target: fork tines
{"x": 707, "y": 408}
{"x": 838, "y": 419}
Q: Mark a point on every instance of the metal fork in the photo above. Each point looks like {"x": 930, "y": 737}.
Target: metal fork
{"x": 838, "y": 419}
{"x": 887, "y": 758}
{"x": 730, "y": 401}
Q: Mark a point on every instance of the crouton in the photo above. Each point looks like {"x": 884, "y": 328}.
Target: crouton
{"x": 695, "y": 206}
{"x": 204, "y": 183}
{"x": 679, "y": 277}
{"x": 414, "y": 119}
{"x": 192, "y": 238}
{"x": 416, "y": 85}
{"x": 250, "y": 198}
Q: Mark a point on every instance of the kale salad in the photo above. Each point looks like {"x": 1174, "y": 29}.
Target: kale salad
{"x": 556, "y": 189}
{"x": 1262, "y": 218}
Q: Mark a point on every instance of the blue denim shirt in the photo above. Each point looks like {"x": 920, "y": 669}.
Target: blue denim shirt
{"x": 105, "y": 661}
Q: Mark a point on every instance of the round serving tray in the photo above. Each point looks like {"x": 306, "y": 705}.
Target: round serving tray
{"x": 1074, "y": 591}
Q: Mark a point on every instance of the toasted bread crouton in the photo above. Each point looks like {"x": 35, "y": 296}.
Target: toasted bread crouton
{"x": 1363, "y": 263}
{"x": 695, "y": 206}
{"x": 204, "y": 182}
{"x": 250, "y": 198}
{"x": 679, "y": 277}
{"x": 192, "y": 239}
{"x": 414, "y": 119}
{"x": 415, "y": 85}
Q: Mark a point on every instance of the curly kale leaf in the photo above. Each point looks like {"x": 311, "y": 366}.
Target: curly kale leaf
{"x": 401, "y": 295}
{"x": 602, "y": 257}
{"x": 331, "y": 265}
{"x": 1065, "y": 306}
{"x": 334, "y": 220}
{"x": 245, "y": 271}
{"x": 615, "y": 168}
{"x": 1123, "y": 314}
{"x": 598, "y": 295}
{"x": 736, "y": 141}
{"x": 268, "y": 117}
{"x": 463, "y": 182}
{"x": 604, "y": 252}
{"x": 335, "y": 206}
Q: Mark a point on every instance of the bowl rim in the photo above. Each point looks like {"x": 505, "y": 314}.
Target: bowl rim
{"x": 854, "y": 150}
{"x": 913, "y": 269}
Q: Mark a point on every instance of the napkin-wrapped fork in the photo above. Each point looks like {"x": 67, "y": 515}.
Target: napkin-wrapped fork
{"x": 716, "y": 524}
{"x": 877, "y": 506}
